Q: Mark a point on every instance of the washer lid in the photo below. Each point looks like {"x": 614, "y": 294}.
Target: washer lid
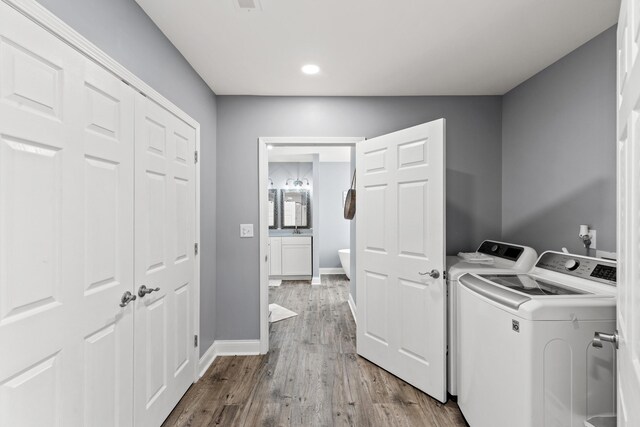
{"x": 531, "y": 285}
{"x": 579, "y": 305}
{"x": 494, "y": 293}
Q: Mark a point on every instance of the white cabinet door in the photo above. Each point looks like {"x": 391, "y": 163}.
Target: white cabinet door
{"x": 400, "y": 238}
{"x": 164, "y": 249}
{"x": 275, "y": 256}
{"x": 66, "y": 220}
{"x": 628, "y": 311}
{"x": 296, "y": 256}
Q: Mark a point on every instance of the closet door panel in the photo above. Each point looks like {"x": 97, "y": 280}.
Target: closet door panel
{"x": 39, "y": 154}
{"x": 66, "y": 218}
{"x": 107, "y": 328}
{"x": 164, "y": 238}
{"x": 183, "y": 176}
{"x": 152, "y": 266}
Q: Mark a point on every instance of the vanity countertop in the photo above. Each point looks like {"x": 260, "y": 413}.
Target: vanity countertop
{"x": 289, "y": 233}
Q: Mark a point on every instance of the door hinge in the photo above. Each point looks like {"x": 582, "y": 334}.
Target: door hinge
{"x": 195, "y": 340}
{"x": 195, "y": 157}
{"x": 195, "y": 248}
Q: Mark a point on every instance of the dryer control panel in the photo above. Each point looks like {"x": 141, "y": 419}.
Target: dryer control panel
{"x": 600, "y": 270}
{"x": 501, "y": 250}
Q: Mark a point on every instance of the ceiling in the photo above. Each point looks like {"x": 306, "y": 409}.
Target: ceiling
{"x": 376, "y": 47}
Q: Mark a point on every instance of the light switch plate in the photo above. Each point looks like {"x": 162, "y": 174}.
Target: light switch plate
{"x": 246, "y": 230}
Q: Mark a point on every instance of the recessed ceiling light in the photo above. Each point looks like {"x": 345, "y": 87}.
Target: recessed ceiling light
{"x": 269, "y": 147}
{"x": 310, "y": 69}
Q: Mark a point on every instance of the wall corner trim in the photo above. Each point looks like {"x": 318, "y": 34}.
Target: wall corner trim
{"x": 227, "y": 348}
{"x": 352, "y": 306}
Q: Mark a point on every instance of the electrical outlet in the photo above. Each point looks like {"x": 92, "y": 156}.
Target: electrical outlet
{"x": 593, "y": 233}
{"x": 246, "y": 230}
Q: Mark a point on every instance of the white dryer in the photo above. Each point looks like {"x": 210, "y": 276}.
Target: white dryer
{"x": 525, "y": 344}
{"x": 505, "y": 258}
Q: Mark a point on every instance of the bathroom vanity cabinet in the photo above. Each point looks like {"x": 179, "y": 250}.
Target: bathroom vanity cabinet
{"x": 290, "y": 256}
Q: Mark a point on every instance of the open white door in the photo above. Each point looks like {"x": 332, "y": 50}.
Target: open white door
{"x": 628, "y": 97}
{"x": 401, "y": 255}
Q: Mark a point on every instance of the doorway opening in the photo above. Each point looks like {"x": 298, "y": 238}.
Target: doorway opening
{"x": 303, "y": 236}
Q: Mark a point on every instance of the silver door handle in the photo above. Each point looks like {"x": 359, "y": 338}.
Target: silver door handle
{"x": 144, "y": 291}
{"x": 600, "y": 337}
{"x": 433, "y": 273}
{"x": 127, "y": 297}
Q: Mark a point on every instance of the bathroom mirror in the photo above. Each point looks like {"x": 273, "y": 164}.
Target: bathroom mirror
{"x": 295, "y": 208}
{"x": 273, "y": 208}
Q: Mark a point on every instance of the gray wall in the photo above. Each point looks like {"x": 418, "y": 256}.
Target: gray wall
{"x": 335, "y": 178}
{"x": 125, "y": 32}
{"x": 558, "y": 151}
{"x": 473, "y": 174}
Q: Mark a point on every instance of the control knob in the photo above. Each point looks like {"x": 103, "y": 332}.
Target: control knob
{"x": 571, "y": 264}
{"x": 495, "y": 248}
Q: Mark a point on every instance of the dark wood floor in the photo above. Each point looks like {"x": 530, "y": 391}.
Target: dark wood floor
{"x": 312, "y": 375}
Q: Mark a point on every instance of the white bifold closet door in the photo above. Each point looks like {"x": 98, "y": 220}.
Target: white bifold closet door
{"x": 165, "y": 236}
{"x": 66, "y": 234}
{"x": 92, "y": 177}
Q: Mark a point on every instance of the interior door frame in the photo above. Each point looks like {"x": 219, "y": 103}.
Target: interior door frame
{"x": 54, "y": 25}
{"x": 263, "y": 179}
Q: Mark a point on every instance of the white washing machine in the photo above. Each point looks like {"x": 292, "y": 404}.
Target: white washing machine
{"x": 525, "y": 344}
{"x": 506, "y": 258}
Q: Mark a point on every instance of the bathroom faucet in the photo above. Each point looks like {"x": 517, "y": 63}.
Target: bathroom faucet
{"x": 296, "y": 231}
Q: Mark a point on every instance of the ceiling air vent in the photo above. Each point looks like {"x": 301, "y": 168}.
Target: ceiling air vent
{"x": 248, "y": 5}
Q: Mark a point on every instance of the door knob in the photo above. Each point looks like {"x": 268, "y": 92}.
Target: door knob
{"x": 433, "y": 273}
{"x": 127, "y": 297}
{"x": 144, "y": 291}
{"x": 600, "y": 337}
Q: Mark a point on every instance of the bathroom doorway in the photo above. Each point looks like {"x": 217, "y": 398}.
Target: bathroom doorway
{"x": 303, "y": 235}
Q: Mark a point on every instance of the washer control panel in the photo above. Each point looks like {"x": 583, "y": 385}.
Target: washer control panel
{"x": 600, "y": 270}
{"x": 501, "y": 250}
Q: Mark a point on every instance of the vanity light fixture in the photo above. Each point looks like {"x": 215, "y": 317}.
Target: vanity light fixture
{"x": 297, "y": 182}
{"x": 310, "y": 69}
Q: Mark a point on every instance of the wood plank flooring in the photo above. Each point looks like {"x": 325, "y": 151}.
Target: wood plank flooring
{"x": 312, "y": 375}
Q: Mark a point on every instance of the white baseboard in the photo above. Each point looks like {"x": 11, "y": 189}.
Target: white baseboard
{"x": 338, "y": 270}
{"x": 352, "y": 306}
{"x": 316, "y": 281}
{"x": 237, "y": 347}
{"x": 227, "y": 348}
{"x": 206, "y": 360}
